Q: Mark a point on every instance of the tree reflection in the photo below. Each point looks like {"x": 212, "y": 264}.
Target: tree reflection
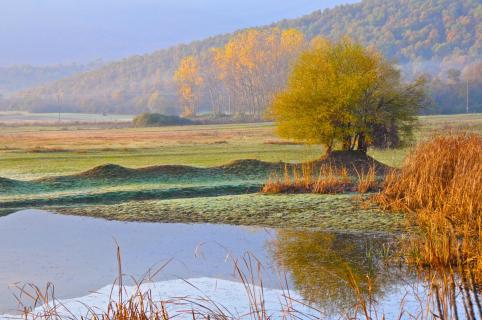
{"x": 319, "y": 264}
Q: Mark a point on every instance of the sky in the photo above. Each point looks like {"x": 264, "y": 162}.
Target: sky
{"x": 42, "y": 32}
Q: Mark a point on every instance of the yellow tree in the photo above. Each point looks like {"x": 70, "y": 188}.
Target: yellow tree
{"x": 344, "y": 94}
{"x": 213, "y": 85}
{"x": 189, "y": 83}
{"x": 254, "y": 66}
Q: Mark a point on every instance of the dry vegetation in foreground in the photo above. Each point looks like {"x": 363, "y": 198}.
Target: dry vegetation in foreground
{"x": 440, "y": 187}
{"x": 325, "y": 179}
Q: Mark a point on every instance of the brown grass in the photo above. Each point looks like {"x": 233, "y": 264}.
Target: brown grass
{"x": 325, "y": 179}
{"x": 29, "y": 139}
{"x": 440, "y": 185}
{"x": 367, "y": 180}
{"x": 305, "y": 178}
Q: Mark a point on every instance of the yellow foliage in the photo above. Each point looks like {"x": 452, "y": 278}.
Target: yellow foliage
{"x": 255, "y": 63}
{"x": 339, "y": 92}
{"x": 189, "y": 82}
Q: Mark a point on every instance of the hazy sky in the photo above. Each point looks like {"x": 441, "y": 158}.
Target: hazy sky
{"x": 63, "y": 31}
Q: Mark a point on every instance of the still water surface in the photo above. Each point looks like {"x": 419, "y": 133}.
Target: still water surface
{"x": 78, "y": 255}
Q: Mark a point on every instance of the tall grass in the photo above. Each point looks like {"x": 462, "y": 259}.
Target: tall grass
{"x": 325, "y": 179}
{"x": 440, "y": 186}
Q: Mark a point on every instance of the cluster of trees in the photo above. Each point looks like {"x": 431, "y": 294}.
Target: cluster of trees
{"x": 457, "y": 91}
{"x": 406, "y": 31}
{"x": 342, "y": 94}
{"x": 241, "y": 77}
{"x": 159, "y": 120}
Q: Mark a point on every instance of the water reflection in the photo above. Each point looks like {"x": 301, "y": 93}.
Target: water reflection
{"x": 319, "y": 264}
{"x": 76, "y": 254}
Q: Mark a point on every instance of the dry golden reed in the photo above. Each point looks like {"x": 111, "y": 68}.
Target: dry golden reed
{"x": 367, "y": 181}
{"x": 305, "y": 178}
{"x": 440, "y": 185}
{"x": 325, "y": 179}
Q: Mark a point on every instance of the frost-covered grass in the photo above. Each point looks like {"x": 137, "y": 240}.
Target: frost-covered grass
{"x": 329, "y": 212}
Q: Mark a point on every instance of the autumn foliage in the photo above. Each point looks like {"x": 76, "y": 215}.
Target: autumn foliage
{"x": 343, "y": 94}
{"x": 243, "y": 76}
{"x": 189, "y": 82}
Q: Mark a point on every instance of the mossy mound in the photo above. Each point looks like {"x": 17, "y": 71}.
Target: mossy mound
{"x": 173, "y": 170}
{"x": 8, "y": 183}
{"x": 249, "y": 166}
{"x": 119, "y": 172}
{"x": 245, "y": 167}
{"x": 107, "y": 171}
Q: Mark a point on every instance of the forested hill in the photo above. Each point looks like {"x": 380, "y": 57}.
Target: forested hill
{"x": 425, "y": 35}
{"x": 404, "y": 30}
{"x": 20, "y": 77}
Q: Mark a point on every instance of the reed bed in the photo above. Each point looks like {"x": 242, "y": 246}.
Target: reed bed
{"x": 325, "y": 179}
{"x": 439, "y": 186}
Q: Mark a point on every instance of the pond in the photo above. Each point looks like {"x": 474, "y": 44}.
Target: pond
{"x": 78, "y": 255}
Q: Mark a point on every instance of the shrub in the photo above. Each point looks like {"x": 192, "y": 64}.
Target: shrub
{"x": 159, "y": 120}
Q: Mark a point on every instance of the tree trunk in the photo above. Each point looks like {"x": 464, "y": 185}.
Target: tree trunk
{"x": 362, "y": 143}
{"x": 329, "y": 148}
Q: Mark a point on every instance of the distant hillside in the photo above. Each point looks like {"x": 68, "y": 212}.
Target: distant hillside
{"x": 21, "y": 77}
{"x": 423, "y": 35}
{"x": 404, "y": 30}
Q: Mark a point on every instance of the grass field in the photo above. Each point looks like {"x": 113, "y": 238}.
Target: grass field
{"x": 40, "y": 166}
{"x": 28, "y": 152}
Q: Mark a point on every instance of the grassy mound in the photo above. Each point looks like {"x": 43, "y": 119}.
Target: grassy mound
{"x": 120, "y": 172}
{"x": 249, "y": 166}
{"x": 110, "y": 183}
{"x": 440, "y": 183}
{"x": 7, "y": 183}
{"x": 107, "y": 171}
{"x": 353, "y": 161}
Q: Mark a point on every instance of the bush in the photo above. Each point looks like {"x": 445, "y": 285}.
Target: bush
{"x": 159, "y": 120}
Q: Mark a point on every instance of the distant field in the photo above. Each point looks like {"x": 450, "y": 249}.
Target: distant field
{"x": 42, "y": 118}
{"x": 31, "y": 151}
